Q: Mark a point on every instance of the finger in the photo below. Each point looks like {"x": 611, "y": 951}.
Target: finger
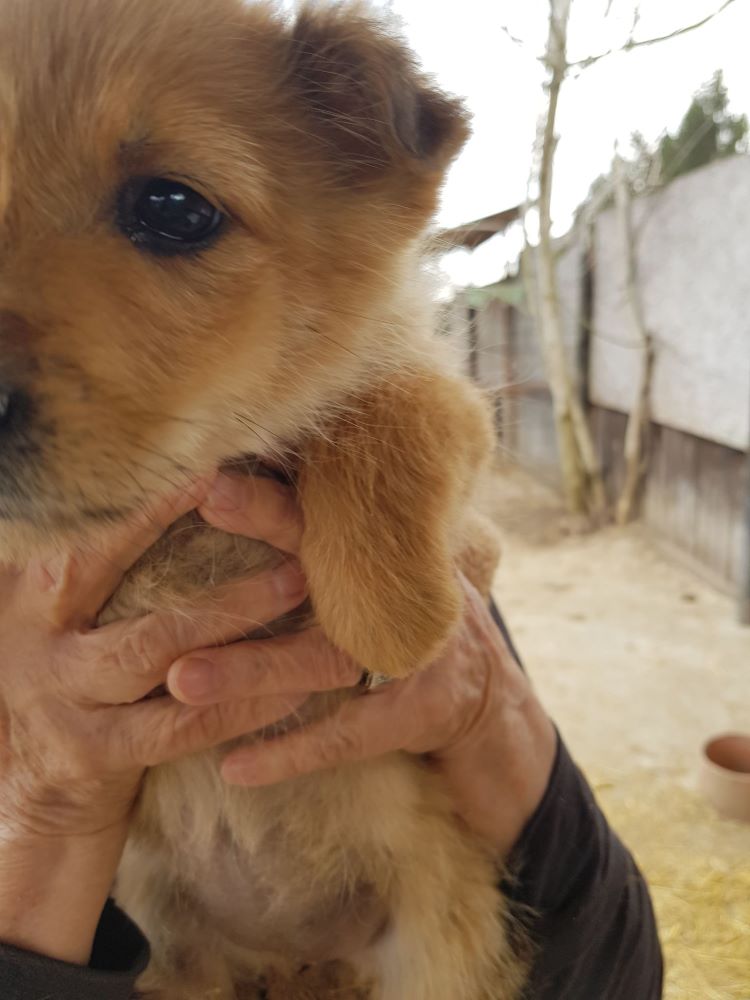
{"x": 288, "y": 663}
{"x": 256, "y": 507}
{"x": 163, "y": 730}
{"x": 368, "y": 726}
{"x": 124, "y": 661}
{"x": 77, "y": 583}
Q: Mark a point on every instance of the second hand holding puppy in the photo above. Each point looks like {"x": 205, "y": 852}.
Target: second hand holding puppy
{"x": 472, "y": 711}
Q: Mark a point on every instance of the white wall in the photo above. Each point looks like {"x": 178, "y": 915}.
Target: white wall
{"x": 694, "y": 265}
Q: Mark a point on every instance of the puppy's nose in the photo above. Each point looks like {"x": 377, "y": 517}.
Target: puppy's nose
{"x": 15, "y": 408}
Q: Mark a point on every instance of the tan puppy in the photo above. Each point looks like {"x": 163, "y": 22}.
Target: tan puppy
{"x": 210, "y": 224}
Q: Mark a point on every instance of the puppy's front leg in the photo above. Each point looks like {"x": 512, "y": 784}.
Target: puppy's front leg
{"x": 384, "y": 491}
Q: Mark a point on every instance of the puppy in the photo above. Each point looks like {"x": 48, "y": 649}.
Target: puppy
{"x": 211, "y": 222}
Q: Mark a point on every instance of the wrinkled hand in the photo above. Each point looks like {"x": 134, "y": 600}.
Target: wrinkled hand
{"x": 76, "y": 734}
{"x": 75, "y": 731}
{"x": 472, "y": 711}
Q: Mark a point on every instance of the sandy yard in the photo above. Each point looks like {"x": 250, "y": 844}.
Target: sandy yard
{"x": 638, "y": 662}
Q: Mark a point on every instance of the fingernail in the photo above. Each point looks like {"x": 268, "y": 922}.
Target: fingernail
{"x": 289, "y": 580}
{"x": 226, "y": 494}
{"x": 197, "y": 679}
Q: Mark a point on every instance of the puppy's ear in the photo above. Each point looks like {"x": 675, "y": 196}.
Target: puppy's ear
{"x": 384, "y": 492}
{"x": 370, "y": 103}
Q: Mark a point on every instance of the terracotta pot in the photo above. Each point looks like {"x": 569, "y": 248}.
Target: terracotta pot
{"x": 724, "y": 777}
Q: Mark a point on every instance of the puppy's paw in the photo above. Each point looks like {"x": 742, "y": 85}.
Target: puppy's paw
{"x": 384, "y": 493}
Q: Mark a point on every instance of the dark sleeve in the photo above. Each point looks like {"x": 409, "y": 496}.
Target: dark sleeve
{"x": 119, "y": 956}
{"x": 582, "y": 899}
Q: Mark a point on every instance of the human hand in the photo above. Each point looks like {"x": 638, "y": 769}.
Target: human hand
{"x": 75, "y": 731}
{"x": 472, "y": 712}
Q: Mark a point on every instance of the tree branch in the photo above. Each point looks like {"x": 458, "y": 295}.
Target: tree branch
{"x": 506, "y": 31}
{"x": 636, "y": 21}
{"x": 632, "y": 43}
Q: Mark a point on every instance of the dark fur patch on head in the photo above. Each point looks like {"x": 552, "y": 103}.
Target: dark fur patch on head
{"x": 372, "y": 103}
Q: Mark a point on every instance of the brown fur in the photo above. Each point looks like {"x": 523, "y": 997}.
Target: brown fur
{"x": 382, "y": 517}
{"x": 303, "y": 334}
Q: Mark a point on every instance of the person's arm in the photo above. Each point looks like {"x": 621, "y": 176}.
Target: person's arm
{"x": 76, "y": 735}
{"x": 583, "y": 901}
{"x": 53, "y": 888}
{"x": 579, "y": 894}
{"x": 119, "y": 955}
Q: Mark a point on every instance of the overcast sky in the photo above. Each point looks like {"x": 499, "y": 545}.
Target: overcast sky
{"x": 462, "y": 43}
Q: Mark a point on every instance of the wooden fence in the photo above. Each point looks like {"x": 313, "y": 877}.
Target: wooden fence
{"x": 697, "y": 490}
{"x": 695, "y": 494}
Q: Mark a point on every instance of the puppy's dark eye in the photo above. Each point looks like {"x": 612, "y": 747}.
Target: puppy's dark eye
{"x": 167, "y": 217}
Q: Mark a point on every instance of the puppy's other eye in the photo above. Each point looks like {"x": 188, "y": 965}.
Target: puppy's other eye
{"x": 167, "y": 217}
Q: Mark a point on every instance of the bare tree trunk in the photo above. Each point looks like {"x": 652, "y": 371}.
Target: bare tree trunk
{"x": 582, "y": 480}
{"x": 743, "y": 603}
{"x": 744, "y": 595}
{"x": 639, "y": 419}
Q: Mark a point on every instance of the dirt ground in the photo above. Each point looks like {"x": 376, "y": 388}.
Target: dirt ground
{"x": 639, "y": 662}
